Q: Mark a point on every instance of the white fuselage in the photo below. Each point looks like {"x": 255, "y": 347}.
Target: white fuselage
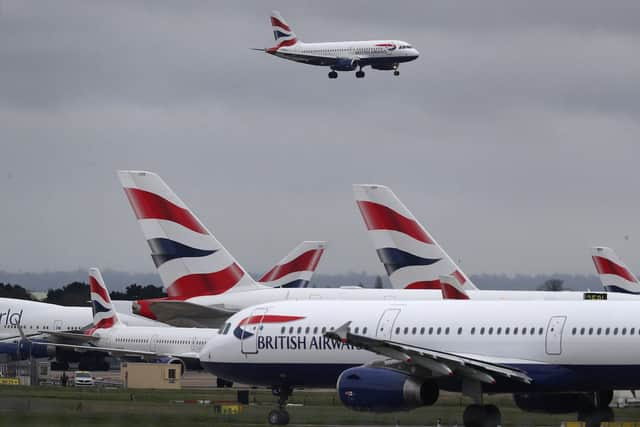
{"x": 34, "y": 316}
{"x": 163, "y": 341}
{"x": 383, "y": 54}
{"x": 562, "y": 345}
{"x": 244, "y": 299}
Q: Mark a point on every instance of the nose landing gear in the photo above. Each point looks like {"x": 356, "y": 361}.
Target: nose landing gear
{"x": 360, "y": 74}
{"x": 482, "y": 416}
{"x": 333, "y": 74}
{"x": 280, "y": 416}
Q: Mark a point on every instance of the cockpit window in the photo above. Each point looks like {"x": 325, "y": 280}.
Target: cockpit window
{"x": 227, "y": 326}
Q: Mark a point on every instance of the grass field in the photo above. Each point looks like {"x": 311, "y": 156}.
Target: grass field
{"x": 56, "y": 406}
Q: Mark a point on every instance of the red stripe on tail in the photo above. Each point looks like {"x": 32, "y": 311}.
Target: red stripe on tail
{"x": 427, "y": 284}
{"x": 379, "y": 217}
{"x": 308, "y": 261}
{"x": 148, "y": 205}
{"x": 606, "y": 266}
{"x": 95, "y": 287}
{"x": 195, "y": 285}
{"x": 278, "y": 23}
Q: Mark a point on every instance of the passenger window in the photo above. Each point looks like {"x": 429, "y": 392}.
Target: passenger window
{"x": 299, "y": 330}
{"x": 491, "y": 331}
{"x": 397, "y": 331}
{"x": 308, "y": 329}
{"x": 439, "y": 330}
{"x": 324, "y": 329}
{"x": 482, "y": 331}
{"x": 624, "y": 331}
{"x": 364, "y": 330}
{"x": 282, "y": 330}
{"x": 473, "y": 330}
{"x": 515, "y": 331}
{"x": 615, "y": 331}
{"x": 413, "y": 331}
{"x": 532, "y": 331}
{"x": 540, "y": 331}
{"x": 422, "y": 331}
{"x": 460, "y": 331}
{"x": 357, "y": 330}
{"x": 573, "y": 331}
{"x": 291, "y": 330}
{"x": 599, "y": 331}
{"x": 606, "y": 331}
{"x": 632, "y": 331}
{"x": 506, "y": 331}
{"x": 315, "y": 329}
{"x": 431, "y": 330}
{"x": 406, "y": 330}
{"x": 590, "y": 331}
{"x": 524, "y": 331}
{"x": 498, "y": 331}
{"x": 446, "y": 331}
{"x": 581, "y": 331}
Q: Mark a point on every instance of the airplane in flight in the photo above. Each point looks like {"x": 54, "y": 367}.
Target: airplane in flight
{"x": 340, "y": 56}
{"x": 613, "y": 272}
{"x": 206, "y": 284}
{"x": 171, "y": 345}
{"x": 553, "y": 356}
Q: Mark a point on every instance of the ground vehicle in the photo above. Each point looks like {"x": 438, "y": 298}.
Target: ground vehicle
{"x": 83, "y": 379}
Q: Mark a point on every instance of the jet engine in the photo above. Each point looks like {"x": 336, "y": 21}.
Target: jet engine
{"x": 174, "y": 361}
{"x": 345, "y": 64}
{"x": 383, "y": 390}
{"x": 562, "y": 403}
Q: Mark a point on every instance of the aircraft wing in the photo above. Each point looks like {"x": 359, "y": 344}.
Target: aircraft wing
{"x": 120, "y": 352}
{"x": 312, "y": 59}
{"x": 186, "y": 314}
{"x": 438, "y": 363}
{"x": 68, "y": 337}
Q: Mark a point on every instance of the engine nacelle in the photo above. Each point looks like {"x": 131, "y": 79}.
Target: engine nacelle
{"x": 384, "y": 390}
{"x": 562, "y": 403}
{"x": 345, "y": 64}
{"x": 174, "y": 361}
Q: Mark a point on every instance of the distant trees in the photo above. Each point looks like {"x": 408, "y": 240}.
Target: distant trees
{"x": 377, "y": 284}
{"x": 134, "y": 292}
{"x": 73, "y": 294}
{"x": 552, "y": 285}
{"x": 14, "y": 291}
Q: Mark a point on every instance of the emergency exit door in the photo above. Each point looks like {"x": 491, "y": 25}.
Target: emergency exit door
{"x": 554, "y": 335}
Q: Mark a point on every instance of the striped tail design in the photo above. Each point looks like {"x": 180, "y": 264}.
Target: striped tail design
{"x": 412, "y": 258}
{"x": 282, "y": 32}
{"x": 613, "y": 273}
{"x": 104, "y": 315}
{"x": 296, "y": 268}
{"x": 451, "y": 288}
{"x": 189, "y": 259}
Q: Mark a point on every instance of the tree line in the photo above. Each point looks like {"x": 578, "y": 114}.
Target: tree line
{"x": 77, "y": 293}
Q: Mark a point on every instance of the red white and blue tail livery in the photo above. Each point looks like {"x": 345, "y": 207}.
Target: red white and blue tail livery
{"x": 339, "y": 56}
{"x": 613, "y": 273}
{"x": 452, "y": 289}
{"x": 412, "y": 257}
{"x": 189, "y": 259}
{"x": 104, "y": 315}
{"x": 296, "y": 268}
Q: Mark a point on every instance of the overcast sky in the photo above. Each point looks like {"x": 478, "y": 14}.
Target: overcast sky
{"x": 514, "y": 138}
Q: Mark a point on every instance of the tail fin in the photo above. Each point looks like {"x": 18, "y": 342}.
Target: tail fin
{"x": 189, "y": 259}
{"x": 412, "y": 258}
{"x": 451, "y": 288}
{"x": 296, "y": 268}
{"x": 613, "y": 273}
{"x": 104, "y": 315}
{"x": 282, "y": 32}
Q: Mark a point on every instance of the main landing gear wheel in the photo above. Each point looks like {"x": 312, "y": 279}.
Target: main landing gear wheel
{"x": 396, "y": 73}
{"x": 333, "y": 75}
{"x": 482, "y": 416}
{"x": 359, "y": 74}
{"x": 278, "y": 417}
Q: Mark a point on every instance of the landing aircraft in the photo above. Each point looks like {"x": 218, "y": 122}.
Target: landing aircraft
{"x": 340, "y": 56}
{"x": 553, "y": 356}
{"x": 613, "y": 272}
{"x": 163, "y": 344}
{"x": 206, "y": 284}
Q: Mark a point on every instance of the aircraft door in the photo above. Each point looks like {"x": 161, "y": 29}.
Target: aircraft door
{"x": 250, "y": 329}
{"x": 57, "y": 325}
{"x": 152, "y": 343}
{"x": 553, "y": 341}
{"x": 385, "y": 324}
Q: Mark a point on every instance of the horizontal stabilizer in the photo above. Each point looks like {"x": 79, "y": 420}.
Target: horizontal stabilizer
{"x": 186, "y": 314}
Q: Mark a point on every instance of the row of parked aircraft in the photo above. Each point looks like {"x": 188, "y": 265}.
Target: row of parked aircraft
{"x": 383, "y": 349}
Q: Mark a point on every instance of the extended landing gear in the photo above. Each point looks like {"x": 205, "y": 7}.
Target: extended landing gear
{"x": 222, "y": 383}
{"x": 280, "y": 416}
{"x": 482, "y": 416}
{"x": 333, "y": 74}
{"x": 396, "y": 73}
{"x": 360, "y": 74}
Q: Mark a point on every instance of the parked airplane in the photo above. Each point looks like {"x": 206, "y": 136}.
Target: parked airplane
{"x": 340, "y": 56}
{"x": 612, "y": 271}
{"x": 35, "y": 317}
{"x": 410, "y": 255}
{"x": 110, "y": 335}
{"x": 554, "y": 356}
{"x": 206, "y": 284}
